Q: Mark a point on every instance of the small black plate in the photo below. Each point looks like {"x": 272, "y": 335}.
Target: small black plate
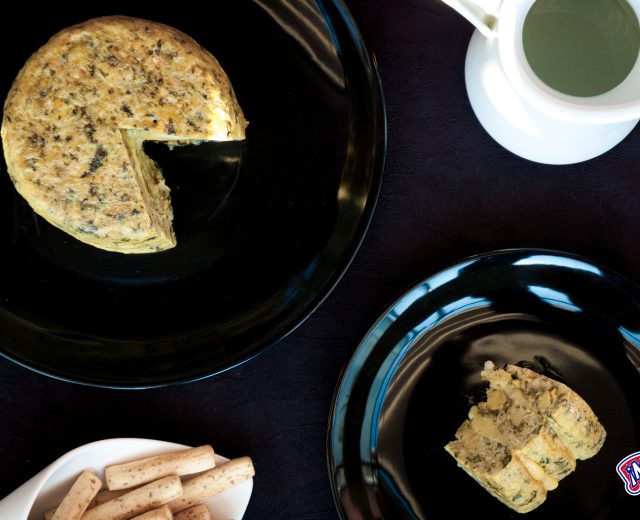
{"x": 413, "y": 378}
{"x": 265, "y": 227}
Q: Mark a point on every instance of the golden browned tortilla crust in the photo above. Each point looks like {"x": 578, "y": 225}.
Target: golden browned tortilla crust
{"x": 77, "y": 114}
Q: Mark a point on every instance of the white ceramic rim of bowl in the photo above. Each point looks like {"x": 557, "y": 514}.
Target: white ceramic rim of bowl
{"x": 602, "y": 109}
{"x": 231, "y": 504}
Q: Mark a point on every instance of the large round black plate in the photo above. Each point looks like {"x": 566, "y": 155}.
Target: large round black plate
{"x": 416, "y": 373}
{"x": 265, "y": 228}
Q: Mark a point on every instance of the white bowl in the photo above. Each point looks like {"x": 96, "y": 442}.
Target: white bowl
{"x": 47, "y": 488}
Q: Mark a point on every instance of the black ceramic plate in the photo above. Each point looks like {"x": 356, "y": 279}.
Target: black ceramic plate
{"x": 417, "y": 372}
{"x": 265, "y": 228}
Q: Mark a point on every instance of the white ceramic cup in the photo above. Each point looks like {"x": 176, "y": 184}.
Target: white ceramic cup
{"x": 523, "y": 113}
{"x": 46, "y": 489}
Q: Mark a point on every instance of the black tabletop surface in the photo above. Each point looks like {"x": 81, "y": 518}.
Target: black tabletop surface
{"x": 449, "y": 191}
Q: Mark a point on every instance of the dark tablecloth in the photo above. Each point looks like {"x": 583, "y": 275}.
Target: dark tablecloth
{"x": 449, "y": 191}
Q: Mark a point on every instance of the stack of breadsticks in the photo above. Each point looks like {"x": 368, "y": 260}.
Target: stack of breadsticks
{"x": 151, "y": 488}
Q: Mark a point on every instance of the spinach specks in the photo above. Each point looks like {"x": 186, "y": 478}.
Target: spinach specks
{"x": 90, "y": 131}
{"x": 36, "y": 141}
{"x": 96, "y": 162}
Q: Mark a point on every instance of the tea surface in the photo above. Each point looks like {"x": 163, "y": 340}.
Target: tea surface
{"x": 581, "y": 47}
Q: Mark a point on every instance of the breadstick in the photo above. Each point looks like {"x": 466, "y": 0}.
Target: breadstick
{"x": 138, "y": 501}
{"x": 76, "y": 501}
{"x": 213, "y": 482}
{"x": 200, "y": 512}
{"x": 104, "y": 496}
{"x": 186, "y": 462}
{"x": 163, "y": 513}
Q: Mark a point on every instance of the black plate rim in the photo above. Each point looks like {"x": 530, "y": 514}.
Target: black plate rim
{"x": 336, "y": 403}
{"x": 378, "y": 108}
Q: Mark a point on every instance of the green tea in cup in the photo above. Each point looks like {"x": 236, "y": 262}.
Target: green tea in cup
{"x": 581, "y": 47}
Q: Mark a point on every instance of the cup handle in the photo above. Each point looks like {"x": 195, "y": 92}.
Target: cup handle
{"x": 481, "y": 13}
